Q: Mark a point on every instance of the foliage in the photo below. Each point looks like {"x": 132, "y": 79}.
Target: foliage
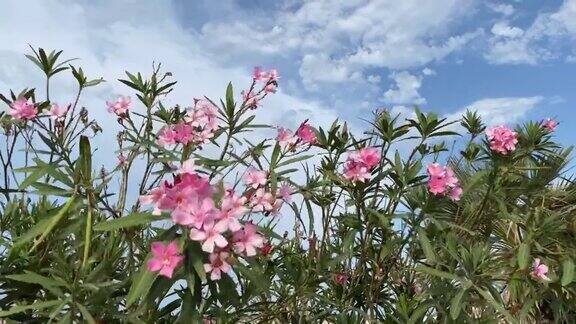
{"x": 377, "y": 230}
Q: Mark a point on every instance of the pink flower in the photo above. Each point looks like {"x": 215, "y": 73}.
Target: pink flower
{"x": 259, "y": 74}
{"x": 23, "y": 109}
{"x": 184, "y": 133}
{"x": 456, "y": 193}
{"x": 368, "y": 156}
{"x": 121, "y": 159}
{"x": 539, "y": 270}
{"x": 167, "y": 136}
{"x": 218, "y": 264}
{"x": 120, "y": 107}
{"x": 285, "y": 192}
{"x": 246, "y": 241}
{"x": 209, "y": 236}
{"x": 270, "y": 88}
{"x": 442, "y": 181}
{"x": 255, "y": 178}
{"x": 360, "y": 163}
{"x": 549, "y": 124}
{"x": 273, "y": 75}
{"x": 57, "y": 112}
{"x": 203, "y": 115}
{"x": 165, "y": 258}
{"x": 306, "y": 134}
{"x": 340, "y": 278}
{"x": 187, "y": 167}
{"x": 250, "y": 100}
{"x": 195, "y": 213}
{"x": 286, "y": 138}
{"x": 266, "y": 249}
{"x": 502, "y": 139}
{"x": 262, "y": 201}
{"x": 356, "y": 171}
{"x": 232, "y": 208}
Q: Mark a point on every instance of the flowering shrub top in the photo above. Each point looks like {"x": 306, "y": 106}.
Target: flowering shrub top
{"x": 314, "y": 225}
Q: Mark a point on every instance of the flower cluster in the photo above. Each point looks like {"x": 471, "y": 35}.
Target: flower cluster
{"x": 304, "y": 135}
{"x": 216, "y": 225}
{"x": 198, "y": 127}
{"x": 269, "y": 80}
{"x": 120, "y": 107}
{"x": 549, "y": 124}
{"x": 262, "y": 200}
{"x": 360, "y": 163}
{"x": 442, "y": 181}
{"x": 23, "y": 109}
{"x": 165, "y": 258}
{"x": 502, "y": 139}
{"x": 539, "y": 270}
{"x": 58, "y": 112}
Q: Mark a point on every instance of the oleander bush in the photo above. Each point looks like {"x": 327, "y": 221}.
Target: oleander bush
{"x": 206, "y": 217}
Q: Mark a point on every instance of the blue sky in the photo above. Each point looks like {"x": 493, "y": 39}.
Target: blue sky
{"x": 511, "y": 60}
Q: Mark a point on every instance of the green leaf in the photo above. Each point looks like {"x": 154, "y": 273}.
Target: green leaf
{"x": 54, "y": 221}
{"x": 37, "y": 305}
{"x": 230, "y": 101}
{"x": 32, "y": 178}
{"x": 523, "y": 255}
{"x": 194, "y": 258}
{"x": 141, "y": 284}
{"x": 456, "y": 304}
{"x": 567, "y": 272}
{"x": 34, "y": 278}
{"x": 86, "y": 316}
{"x": 437, "y": 273}
{"x": 294, "y": 160}
{"x": 426, "y": 246}
{"x": 85, "y": 160}
{"x": 134, "y": 219}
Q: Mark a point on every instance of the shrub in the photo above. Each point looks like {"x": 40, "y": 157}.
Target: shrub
{"x": 314, "y": 225}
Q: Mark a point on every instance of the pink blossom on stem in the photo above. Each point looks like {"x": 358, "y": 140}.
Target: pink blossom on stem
{"x": 255, "y": 178}
{"x": 259, "y": 74}
{"x": 166, "y": 136}
{"x": 187, "y": 167}
{"x": 232, "y": 208}
{"x": 165, "y": 258}
{"x": 356, "y": 171}
{"x": 23, "y": 109}
{"x": 306, "y": 134}
{"x": 262, "y": 201}
{"x": 209, "y": 236}
{"x": 121, "y": 159}
{"x": 219, "y": 263}
{"x": 247, "y": 240}
{"x": 57, "y": 111}
{"x": 285, "y": 192}
{"x": 539, "y": 270}
{"x": 549, "y": 124}
{"x": 502, "y": 139}
{"x": 286, "y": 138}
{"x": 270, "y": 88}
{"x": 196, "y": 213}
{"x": 359, "y": 164}
{"x": 442, "y": 181}
{"x": 120, "y": 107}
{"x": 340, "y": 278}
{"x": 251, "y": 100}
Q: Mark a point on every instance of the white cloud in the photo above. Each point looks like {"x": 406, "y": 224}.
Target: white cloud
{"x": 495, "y": 111}
{"x": 502, "y": 29}
{"x": 405, "y": 89}
{"x": 340, "y": 40}
{"x": 501, "y": 8}
{"x": 538, "y": 42}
